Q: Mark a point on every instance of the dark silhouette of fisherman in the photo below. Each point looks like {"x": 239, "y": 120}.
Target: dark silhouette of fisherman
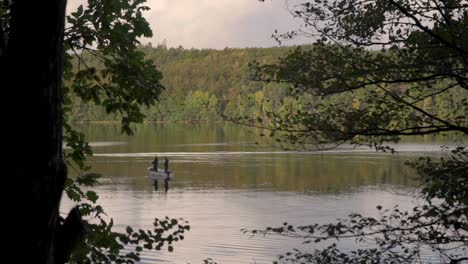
{"x": 166, "y": 165}
{"x": 166, "y": 170}
{"x": 155, "y": 163}
{"x": 155, "y": 168}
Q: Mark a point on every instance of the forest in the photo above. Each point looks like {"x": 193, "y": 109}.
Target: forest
{"x": 375, "y": 71}
{"x": 211, "y": 85}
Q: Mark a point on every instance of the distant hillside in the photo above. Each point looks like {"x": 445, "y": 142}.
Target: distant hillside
{"x": 203, "y": 85}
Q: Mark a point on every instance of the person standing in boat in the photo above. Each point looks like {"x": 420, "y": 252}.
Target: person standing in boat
{"x": 166, "y": 170}
{"x": 166, "y": 165}
{"x": 155, "y": 163}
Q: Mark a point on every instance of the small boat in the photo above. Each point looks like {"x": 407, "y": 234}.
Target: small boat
{"x": 160, "y": 174}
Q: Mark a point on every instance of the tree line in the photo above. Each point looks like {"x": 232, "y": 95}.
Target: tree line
{"x": 207, "y": 85}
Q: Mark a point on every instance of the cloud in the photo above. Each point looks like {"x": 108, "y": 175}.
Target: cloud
{"x": 215, "y": 23}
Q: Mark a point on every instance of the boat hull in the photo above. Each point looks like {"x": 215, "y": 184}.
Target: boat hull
{"x": 160, "y": 174}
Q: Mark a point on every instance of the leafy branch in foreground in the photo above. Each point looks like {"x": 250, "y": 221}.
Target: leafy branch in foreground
{"x": 103, "y": 244}
{"x": 370, "y": 77}
{"x": 439, "y": 225}
{"x": 373, "y": 71}
{"x": 120, "y": 80}
{"x": 52, "y": 72}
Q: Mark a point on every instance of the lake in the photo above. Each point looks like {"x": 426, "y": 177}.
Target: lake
{"x": 225, "y": 182}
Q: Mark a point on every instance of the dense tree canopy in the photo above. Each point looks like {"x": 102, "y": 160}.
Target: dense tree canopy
{"x": 223, "y": 76}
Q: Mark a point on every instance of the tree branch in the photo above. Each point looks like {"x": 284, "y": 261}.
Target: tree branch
{"x": 427, "y": 30}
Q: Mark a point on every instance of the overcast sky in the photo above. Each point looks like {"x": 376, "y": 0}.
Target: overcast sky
{"x": 216, "y": 23}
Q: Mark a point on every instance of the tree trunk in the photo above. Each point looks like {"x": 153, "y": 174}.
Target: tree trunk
{"x": 32, "y": 67}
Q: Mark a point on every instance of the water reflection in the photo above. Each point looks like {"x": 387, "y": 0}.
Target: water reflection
{"x": 292, "y": 172}
{"x": 217, "y": 215}
{"x": 224, "y": 183}
{"x": 156, "y": 185}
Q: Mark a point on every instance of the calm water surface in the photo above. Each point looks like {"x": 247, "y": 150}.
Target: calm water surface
{"x": 225, "y": 182}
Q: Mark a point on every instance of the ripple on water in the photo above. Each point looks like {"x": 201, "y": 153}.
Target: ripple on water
{"x": 217, "y": 217}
